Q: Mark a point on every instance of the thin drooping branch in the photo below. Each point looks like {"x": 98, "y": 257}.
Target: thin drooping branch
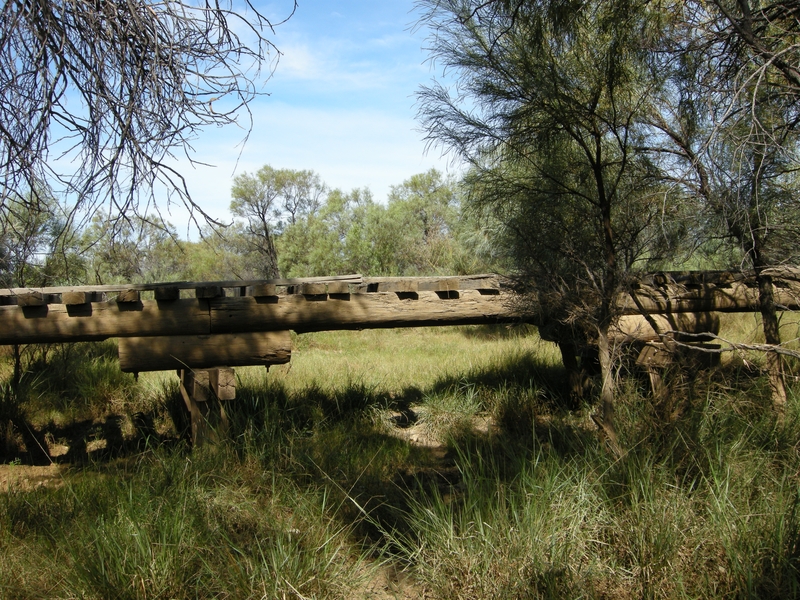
{"x": 99, "y": 99}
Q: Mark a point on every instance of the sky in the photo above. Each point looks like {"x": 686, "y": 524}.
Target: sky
{"x": 341, "y": 103}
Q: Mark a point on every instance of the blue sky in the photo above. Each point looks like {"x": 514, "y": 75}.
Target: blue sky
{"x": 342, "y": 103}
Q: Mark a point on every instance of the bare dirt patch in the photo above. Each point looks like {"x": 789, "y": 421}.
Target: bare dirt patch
{"x": 389, "y": 583}
{"x": 26, "y": 478}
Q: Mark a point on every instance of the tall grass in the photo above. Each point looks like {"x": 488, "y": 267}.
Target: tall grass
{"x": 176, "y": 527}
{"x": 704, "y": 505}
{"x": 448, "y": 454}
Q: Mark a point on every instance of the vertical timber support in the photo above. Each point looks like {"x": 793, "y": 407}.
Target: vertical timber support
{"x": 205, "y": 392}
{"x": 575, "y": 377}
{"x": 654, "y": 358}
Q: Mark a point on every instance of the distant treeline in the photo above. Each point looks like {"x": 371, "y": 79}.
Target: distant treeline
{"x": 283, "y": 223}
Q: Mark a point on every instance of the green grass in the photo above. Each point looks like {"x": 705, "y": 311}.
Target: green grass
{"x": 170, "y": 526}
{"x": 488, "y": 487}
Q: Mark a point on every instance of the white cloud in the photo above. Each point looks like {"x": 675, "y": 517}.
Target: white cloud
{"x": 325, "y": 66}
{"x": 298, "y": 62}
{"x": 341, "y": 104}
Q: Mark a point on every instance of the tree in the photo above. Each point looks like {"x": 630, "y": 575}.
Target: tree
{"x": 738, "y": 154}
{"x": 268, "y": 200}
{"x": 301, "y": 194}
{"x": 221, "y": 254}
{"x": 334, "y": 240}
{"x": 142, "y": 250}
{"x": 38, "y": 246}
{"x": 97, "y": 97}
{"x": 424, "y": 211}
{"x": 547, "y": 110}
{"x": 416, "y": 233}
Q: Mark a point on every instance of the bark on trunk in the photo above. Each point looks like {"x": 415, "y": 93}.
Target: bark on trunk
{"x": 606, "y": 419}
{"x": 772, "y": 336}
{"x": 575, "y": 376}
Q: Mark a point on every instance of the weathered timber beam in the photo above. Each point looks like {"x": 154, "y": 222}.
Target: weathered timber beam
{"x": 465, "y": 282}
{"x": 101, "y": 320}
{"x": 181, "y": 285}
{"x": 736, "y": 297}
{"x": 200, "y": 390}
{"x": 700, "y": 291}
{"x": 93, "y": 321}
{"x": 341, "y": 284}
{"x": 638, "y": 328}
{"x": 787, "y": 273}
{"x": 78, "y": 298}
{"x": 359, "y": 311}
{"x": 97, "y": 321}
{"x": 139, "y": 354}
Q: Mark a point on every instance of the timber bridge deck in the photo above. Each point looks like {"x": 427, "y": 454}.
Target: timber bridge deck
{"x": 204, "y": 329}
{"x": 230, "y": 322}
{"x": 225, "y": 321}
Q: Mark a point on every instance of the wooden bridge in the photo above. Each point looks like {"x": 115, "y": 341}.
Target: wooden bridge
{"x": 196, "y": 326}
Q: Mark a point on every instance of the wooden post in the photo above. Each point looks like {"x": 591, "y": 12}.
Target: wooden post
{"x": 204, "y": 393}
{"x": 654, "y": 358}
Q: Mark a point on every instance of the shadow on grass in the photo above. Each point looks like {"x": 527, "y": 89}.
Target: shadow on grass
{"x": 497, "y": 332}
{"x": 90, "y": 440}
{"x": 520, "y": 372}
{"x": 338, "y": 442}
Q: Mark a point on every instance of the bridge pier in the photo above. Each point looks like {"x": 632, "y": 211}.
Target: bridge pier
{"x": 205, "y": 393}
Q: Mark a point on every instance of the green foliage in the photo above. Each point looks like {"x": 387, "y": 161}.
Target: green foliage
{"x": 424, "y": 212}
{"x": 269, "y": 201}
{"x": 179, "y": 529}
{"x": 37, "y": 243}
{"x": 136, "y": 250}
{"x": 82, "y": 380}
{"x": 421, "y": 231}
{"x": 281, "y": 215}
{"x": 330, "y": 241}
{"x": 705, "y": 510}
{"x": 549, "y": 111}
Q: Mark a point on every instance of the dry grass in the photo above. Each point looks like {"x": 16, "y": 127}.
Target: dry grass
{"x": 436, "y": 462}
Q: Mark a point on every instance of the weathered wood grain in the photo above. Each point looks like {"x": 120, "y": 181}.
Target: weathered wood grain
{"x": 358, "y": 311}
{"x": 101, "y": 320}
{"x": 638, "y": 328}
{"x": 432, "y": 284}
{"x": 127, "y": 296}
{"x": 140, "y": 354}
{"x": 223, "y": 381}
{"x": 313, "y": 289}
{"x": 181, "y": 285}
{"x": 58, "y": 323}
{"x": 736, "y": 296}
{"x": 268, "y": 311}
{"x": 209, "y": 291}
{"x": 78, "y": 298}
{"x": 445, "y": 284}
{"x": 394, "y": 284}
{"x": 338, "y": 287}
{"x": 262, "y": 290}
{"x": 32, "y": 299}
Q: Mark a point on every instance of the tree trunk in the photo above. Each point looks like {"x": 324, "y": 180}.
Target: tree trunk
{"x": 605, "y": 421}
{"x": 772, "y": 336}
{"x": 273, "y": 272}
{"x": 575, "y": 375}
